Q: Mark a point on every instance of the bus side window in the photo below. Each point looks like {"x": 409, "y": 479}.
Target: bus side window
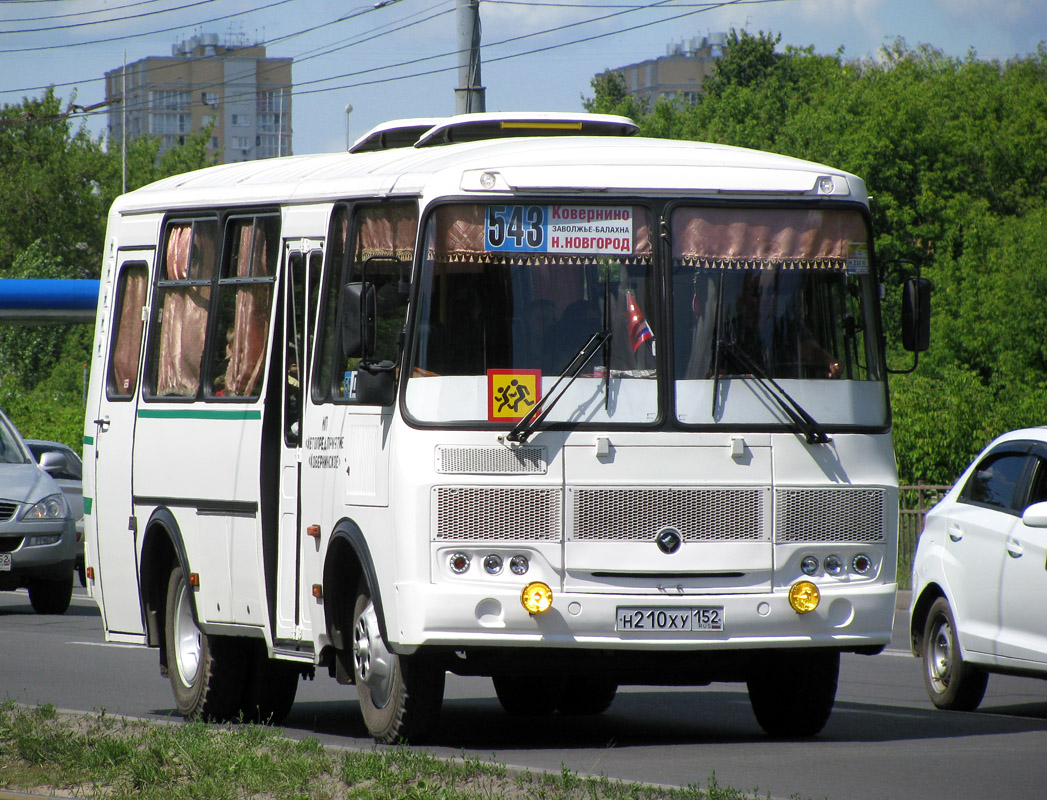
{"x": 384, "y": 231}
{"x": 127, "y": 332}
{"x": 245, "y": 297}
{"x": 182, "y": 307}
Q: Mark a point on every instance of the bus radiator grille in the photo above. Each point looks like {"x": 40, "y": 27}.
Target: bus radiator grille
{"x": 829, "y": 515}
{"x": 463, "y": 513}
{"x": 700, "y": 515}
{"x": 490, "y": 460}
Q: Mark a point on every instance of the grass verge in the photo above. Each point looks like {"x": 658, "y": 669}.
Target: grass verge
{"x": 97, "y": 756}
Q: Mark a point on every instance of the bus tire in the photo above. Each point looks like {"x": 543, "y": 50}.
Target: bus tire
{"x": 400, "y": 696}
{"x": 206, "y": 672}
{"x": 51, "y": 597}
{"x": 271, "y": 686}
{"x": 584, "y": 695}
{"x": 952, "y": 683}
{"x": 529, "y": 695}
{"x": 792, "y": 695}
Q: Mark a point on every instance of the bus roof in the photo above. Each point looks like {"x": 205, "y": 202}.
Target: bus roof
{"x": 559, "y": 165}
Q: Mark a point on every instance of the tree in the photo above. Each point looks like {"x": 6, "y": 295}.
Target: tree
{"x": 954, "y": 153}
{"x": 56, "y": 186}
{"x": 610, "y": 96}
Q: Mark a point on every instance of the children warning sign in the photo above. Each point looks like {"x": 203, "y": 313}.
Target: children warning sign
{"x": 591, "y": 230}
{"x": 511, "y": 393}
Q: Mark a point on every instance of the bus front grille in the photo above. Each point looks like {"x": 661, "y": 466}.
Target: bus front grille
{"x": 490, "y": 460}
{"x": 465, "y": 513}
{"x": 829, "y": 515}
{"x": 700, "y": 515}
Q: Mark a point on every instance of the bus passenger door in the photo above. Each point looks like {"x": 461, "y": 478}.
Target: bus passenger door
{"x": 114, "y": 415}
{"x": 301, "y": 283}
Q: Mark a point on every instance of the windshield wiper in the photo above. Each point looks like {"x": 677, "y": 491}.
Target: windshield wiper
{"x": 540, "y": 410}
{"x": 812, "y": 431}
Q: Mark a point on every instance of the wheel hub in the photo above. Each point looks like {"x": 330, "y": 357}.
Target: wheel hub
{"x": 940, "y": 662}
{"x": 187, "y": 642}
{"x": 371, "y": 658}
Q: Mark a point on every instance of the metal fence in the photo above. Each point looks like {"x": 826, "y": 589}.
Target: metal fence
{"x": 913, "y": 503}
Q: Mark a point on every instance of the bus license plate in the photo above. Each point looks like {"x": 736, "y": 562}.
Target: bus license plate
{"x": 678, "y": 619}
{"x": 5, "y": 562}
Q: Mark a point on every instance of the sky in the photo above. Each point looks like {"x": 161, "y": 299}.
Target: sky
{"x": 396, "y": 58}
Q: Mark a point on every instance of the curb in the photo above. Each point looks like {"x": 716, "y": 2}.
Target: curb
{"x": 903, "y": 599}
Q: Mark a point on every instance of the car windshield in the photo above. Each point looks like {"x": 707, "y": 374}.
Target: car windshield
{"x": 11, "y": 451}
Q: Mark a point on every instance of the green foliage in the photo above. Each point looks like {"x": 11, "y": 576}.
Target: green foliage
{"x": 56, "y": 186}
{"x": 954, "y": 152}
{"x": 98, "y": 756}
{"x": 611, "y": 97}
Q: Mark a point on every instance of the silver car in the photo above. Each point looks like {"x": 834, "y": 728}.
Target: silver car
{"x": 70, "y": 479}
{"x": 37, "y": 531}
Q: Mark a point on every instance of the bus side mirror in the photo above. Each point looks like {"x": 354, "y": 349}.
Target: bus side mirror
{"x": 376, "y": 384}
{"x": 916, "y": 314}
{"x": 359, "y": 312}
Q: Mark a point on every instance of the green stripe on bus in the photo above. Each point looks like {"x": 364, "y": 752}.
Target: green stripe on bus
{"x": 88, "y": 502}
{"x": 196, "y": 413}
{"x": 89, "y": 440}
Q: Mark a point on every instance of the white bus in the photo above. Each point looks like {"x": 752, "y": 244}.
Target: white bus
{"x": 521, "y": 396}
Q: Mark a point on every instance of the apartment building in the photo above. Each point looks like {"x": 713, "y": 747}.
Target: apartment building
{"x": 245, "y": 93}
{"x": 679, "y": 73}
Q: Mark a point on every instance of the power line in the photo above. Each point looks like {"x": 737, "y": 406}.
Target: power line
{"x": 150, "y": 33}
{"x": 137, "y": 4}
{"x": 351, "y": 15}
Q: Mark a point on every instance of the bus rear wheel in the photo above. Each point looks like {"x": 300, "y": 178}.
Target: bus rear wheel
{"x": 792, "y": 695}
{"x": 271, "y": 685}
{"x": 400, "y": 696}
{"x": 206, "y": 672}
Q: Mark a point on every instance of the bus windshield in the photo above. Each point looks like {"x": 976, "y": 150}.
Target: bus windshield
{"x": 511, "y": 293}
{"x": 767, "y": 301}
{"x": 762, "y": 301}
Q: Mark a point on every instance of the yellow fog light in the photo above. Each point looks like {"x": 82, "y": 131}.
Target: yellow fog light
{"x": 537, "y": 598}
{"x": 804, "y": 597}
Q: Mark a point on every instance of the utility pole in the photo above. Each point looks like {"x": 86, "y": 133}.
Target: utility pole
{"x": 469, "y": 96}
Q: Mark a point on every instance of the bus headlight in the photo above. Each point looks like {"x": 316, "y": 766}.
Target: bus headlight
{"x": 861, "y": 563}
{"x": 804, "y": 597}
{"x": 537, "y": 598}
{"x": 459, "y": 563}
{"x": 809, "y": 565}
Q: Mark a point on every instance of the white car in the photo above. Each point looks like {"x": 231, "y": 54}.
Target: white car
{"x": 979, "y": 602}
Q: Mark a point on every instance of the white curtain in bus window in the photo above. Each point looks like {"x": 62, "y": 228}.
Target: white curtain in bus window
{"x": 245, "y": 302}
{"x": 127, "y": 343}
{"x": 185, "y": 290}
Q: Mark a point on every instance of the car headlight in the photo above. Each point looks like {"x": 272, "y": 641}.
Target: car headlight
{"x": 52, "y": 507}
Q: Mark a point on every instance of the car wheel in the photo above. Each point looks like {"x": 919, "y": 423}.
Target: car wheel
{"x": 584, "y": 695}
{"x": 400, "y": 696}
{"x": 792, "y": 695}
{"x": 207, "y": 673}
{"x": 951, "y": 682}
{"x": 51, "y": 597}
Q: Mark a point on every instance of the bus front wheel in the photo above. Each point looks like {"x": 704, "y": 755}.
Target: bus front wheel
{"x": 400, "y": 696}
{"x": 792, "y": 695}
{"x": 206, "y": 672}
